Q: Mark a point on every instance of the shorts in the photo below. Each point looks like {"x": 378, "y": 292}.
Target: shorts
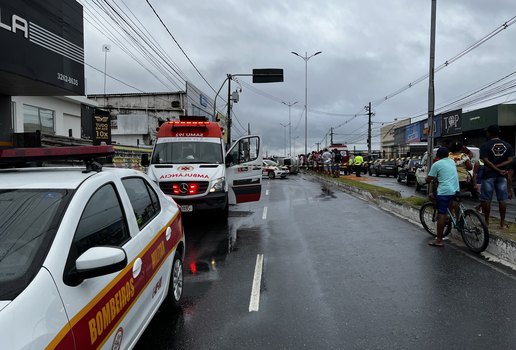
{"x": 494, "y": 184}
{"x": 327, "y": 166}
{"x": 443, "y": 202}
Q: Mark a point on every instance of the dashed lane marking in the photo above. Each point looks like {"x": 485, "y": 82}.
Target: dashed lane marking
{"x": 267, "y": 192}
{"x": 264, "y": 216}
{"x": 254, "y": 303}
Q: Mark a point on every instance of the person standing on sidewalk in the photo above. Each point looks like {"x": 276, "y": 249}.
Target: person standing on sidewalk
{"x": 445, "y": 172}
{"x": 358, "y": 164}
{"x": 326, "y": 160}
{"x": 497, "y": 156}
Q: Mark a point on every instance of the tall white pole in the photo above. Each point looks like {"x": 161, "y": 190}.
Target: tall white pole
{"x": 106, "y": 49}
{"x": 289, "y": 104}
{"x": 306, "y": 58}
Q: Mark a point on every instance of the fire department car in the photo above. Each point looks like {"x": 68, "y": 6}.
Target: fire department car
{"x": 87, "y": 256}
{"x": 189, "y": 162}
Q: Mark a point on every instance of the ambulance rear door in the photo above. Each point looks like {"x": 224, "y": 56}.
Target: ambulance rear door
{"x": 244, "y": 170}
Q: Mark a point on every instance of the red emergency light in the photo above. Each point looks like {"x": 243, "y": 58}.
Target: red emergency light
{"x": 193, "y": 188}
{"x": 181, "y": 124}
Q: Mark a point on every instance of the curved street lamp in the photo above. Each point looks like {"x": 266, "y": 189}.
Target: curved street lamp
{"x": 285, "y": 136}
{"x": 306, "y": 58}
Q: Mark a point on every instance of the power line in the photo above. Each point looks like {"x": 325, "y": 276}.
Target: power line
{"x": 496, "y": 31}
{"x": 183, "y": 51}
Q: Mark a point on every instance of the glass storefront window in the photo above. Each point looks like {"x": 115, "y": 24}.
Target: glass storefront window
{"x": 35, "y": 118}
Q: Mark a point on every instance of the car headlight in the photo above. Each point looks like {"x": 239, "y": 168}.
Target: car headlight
{"x": 218, "y": 185}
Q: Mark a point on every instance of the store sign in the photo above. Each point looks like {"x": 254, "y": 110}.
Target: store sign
{"x": 43, "y": 47}
{"x": 102, "y": 129}
{"x": 451, "y": 123}
{"x": 203, "y": 100}
{"x": 412, "y": 133}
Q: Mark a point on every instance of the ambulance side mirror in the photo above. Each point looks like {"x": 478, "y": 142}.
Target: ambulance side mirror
{"x": 145, "y": 160}
{"x": 228, "y": 160}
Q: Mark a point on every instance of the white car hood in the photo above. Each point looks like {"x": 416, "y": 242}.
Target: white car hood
{"x": 186, "y": 172}
{"x": 4, "y": 303}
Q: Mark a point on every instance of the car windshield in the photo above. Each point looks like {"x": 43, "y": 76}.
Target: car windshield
{"x": 269, "y": 162}
{"x": 187, "y": 152}
{"x": 29, "y": 220}
{"x": 389, "y": 162}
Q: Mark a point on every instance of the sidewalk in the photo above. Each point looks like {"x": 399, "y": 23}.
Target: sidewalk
{"x": 502, "y": 245}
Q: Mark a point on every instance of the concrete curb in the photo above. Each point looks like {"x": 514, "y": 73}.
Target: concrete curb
{"x": 499, "y": 247}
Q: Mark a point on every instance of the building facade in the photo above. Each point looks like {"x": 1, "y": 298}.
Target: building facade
{"x": 135, "y": 116}
{"x": 411, "y": 139}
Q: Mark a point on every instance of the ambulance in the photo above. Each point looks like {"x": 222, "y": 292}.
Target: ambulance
{"x": 190, "y": 163}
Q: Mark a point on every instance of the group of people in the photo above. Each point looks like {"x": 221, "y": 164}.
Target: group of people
{"x": 331, "y": 162}
{"x": 493, "y": 174}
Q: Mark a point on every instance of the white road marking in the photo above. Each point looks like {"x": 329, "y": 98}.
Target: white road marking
{"x": 254, "y": 303}
{"x": 267, "y": 192}
{"x": 264, "y": 216}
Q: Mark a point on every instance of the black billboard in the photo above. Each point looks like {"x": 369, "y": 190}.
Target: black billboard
{"x": 451, "y": 123}
{"x": 42, "y": 47}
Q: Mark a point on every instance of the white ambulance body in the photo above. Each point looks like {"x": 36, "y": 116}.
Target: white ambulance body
{"x": 189, "y": 163}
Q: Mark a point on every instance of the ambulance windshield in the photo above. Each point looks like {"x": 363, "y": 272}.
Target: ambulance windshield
{"x": 187, "y": 152}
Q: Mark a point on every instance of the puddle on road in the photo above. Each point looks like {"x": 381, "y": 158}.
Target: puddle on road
{"x": 327, "y": 194}
{"x": 209, "y": 244}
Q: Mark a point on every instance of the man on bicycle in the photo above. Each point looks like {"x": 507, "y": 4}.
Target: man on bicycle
{"x": 445, "y": 172}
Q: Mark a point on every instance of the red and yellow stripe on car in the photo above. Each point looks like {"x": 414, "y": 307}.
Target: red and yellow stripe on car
{"x": 95, "y": 323}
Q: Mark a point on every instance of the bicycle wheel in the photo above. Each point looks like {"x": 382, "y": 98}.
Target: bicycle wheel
{"x": 474, "y": 232}
{"x": 428, "y": 218}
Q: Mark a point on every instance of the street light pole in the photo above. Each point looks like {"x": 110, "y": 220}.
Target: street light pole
{"x": 289, "y": 104}
{"x": 106, "y": 48}
{"x": 306, "y": 58}
{"x": 285, "y": 136}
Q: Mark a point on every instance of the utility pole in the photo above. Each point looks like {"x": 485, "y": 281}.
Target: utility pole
{"x": 331, "y": 136}
{"x": 369, "y": 113}
{"x": 317, "y": 143}
{"x": 431, "y": 92}
{"x": 229, "y": 112}
{"x": 248, "y": 128}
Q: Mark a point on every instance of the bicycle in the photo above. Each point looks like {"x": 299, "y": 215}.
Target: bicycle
{"x": 468, "y": 222}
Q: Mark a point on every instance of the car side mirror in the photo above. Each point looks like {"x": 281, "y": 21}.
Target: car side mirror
{"x": 96, "y": 262}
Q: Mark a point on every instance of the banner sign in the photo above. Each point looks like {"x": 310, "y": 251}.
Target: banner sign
{"x": 412, "y": 133}
{"x": 43, "y": 48}
{"x": 102, "y": 128}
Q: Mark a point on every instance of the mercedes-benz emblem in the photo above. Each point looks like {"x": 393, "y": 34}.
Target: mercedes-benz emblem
{"x": 183, "y": 187}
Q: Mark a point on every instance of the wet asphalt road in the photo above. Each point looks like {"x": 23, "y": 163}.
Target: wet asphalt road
{"x": 338, "y": 274}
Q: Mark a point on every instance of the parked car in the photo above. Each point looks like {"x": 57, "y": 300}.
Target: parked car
{"x": 421, "y": 171}
{"x": 372, "y": 167}
{"x": 385, "y": 167}
{"x": 273, "y": 170}
{"x": 86, "y": 257}
{"x": 407, "y": 171}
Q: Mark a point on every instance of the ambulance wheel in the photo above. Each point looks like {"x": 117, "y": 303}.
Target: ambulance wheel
{"x": 272, "y": 175}
{"x": 175, "y": 289}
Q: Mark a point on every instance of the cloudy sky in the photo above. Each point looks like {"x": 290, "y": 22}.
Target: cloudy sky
{"x": 370, "y": 50}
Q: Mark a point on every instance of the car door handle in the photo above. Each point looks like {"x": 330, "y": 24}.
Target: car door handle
{"x": 168, "y": 233}
{"x": 137, "y": 267}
